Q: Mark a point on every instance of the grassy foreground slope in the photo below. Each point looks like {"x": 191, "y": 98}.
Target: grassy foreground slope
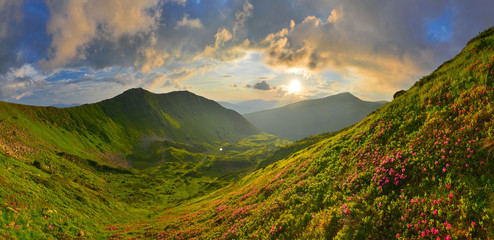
{"x": 64, "y": 173}
{"x": 420, "y": 167}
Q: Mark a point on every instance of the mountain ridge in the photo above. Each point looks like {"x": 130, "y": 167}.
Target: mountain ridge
{"x": 306, "y": 118}
{"x": 420, "y": 167}
{"x": 417, "y": 168}
{"x": 116, "y": 160}
{"x": 165, "y": 111}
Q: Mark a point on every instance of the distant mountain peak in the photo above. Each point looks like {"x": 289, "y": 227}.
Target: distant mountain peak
{"x": 133, "y": 93}
{"x": 142, "y": 90}
{"x": 345, "y": 95}
{"x": 183, "y": 93}
{"x": 135, "y": 90}
{"x": 139, "y": 92}
{"x": 176, "y": 115}
{"x": 310, "y": 117}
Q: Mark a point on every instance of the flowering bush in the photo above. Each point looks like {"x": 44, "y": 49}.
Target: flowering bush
{"x": 418, "y": 168}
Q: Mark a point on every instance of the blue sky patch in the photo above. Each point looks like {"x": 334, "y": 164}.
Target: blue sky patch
{"x": 439, "y": 29}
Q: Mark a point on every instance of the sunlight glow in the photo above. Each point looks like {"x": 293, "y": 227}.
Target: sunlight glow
{"x": 294, "y": 87}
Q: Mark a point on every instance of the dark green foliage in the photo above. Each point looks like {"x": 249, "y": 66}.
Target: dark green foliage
{"x": 399, "y": 93}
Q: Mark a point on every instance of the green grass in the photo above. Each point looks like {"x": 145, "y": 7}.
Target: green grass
{"x": 420, "y": 167}
{"x": 65, "y": 172}
{"x": 288, "y": 150}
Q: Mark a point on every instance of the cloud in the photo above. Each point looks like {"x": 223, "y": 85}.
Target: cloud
{"x": 10, "y": 15}
{"x": 21, "y": 82}
{"x": 189, "y": 22}
{"x": 74, "y": 24}
{"x": 174, "y": 83}
{"x": 179, "y": 2}
{"x": 377, "y": 44}
{"x": 155, "y": 80}
{"x": 280, "y": 92}
{"x": 338, "y": 44}
{"x": 263, "y": 85}
{"x": 222, "y": 36}
{"x": 221, "y": 51}
{"x": 10, "y": 10}
{"x": 151, "y": 81}
{"x": 335, "y": 16}
{"x": 231, "y": 42}
{"x": 241, "y": 17}
{"x": 182, "y": 74}
{"x": 149, "y": 56}
{"x": 373, "y": 46}
{"x": 189, "y": 71}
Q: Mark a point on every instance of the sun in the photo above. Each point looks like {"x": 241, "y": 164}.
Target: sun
{"x": 294, "y": 87}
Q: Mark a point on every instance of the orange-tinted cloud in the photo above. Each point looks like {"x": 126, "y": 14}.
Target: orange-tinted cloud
{"x": 74, "y": 24}
{"x": 317, "y": 45}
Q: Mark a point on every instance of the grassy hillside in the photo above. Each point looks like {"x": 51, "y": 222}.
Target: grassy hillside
{"x": 178, "y": 116}
{"x": 288, "y": 150}
{"x": 311, "y": 117}
{"x": 420, "y": 167}
{"x": 66, "y": 173}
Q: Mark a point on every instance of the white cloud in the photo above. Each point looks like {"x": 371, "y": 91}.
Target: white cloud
{"x": 21, "y": 82}
{"x": 189, "y": 22}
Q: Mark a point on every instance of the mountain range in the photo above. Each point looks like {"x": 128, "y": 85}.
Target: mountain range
{"x": 179, "y": 166}
{"x": 179, "y": 116}
{"x": 250, "y": 106}
{"x": 131, "y": 154}
{"x": 307, "y": 118}
{"x": 419, "y": 167}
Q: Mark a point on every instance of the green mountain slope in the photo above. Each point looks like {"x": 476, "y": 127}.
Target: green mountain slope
{"x": 311, "y": 117}
{"x": 65, "y": 173}
{"x": 178, "y": 116}
{"x": 420, "y": 167}
{"x": 288, "y": 150}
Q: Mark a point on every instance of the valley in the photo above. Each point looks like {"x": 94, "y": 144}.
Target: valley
{"x": 418, "y": 167}
{"x": 180, "y": 166}
{"x": 63, "y": 168}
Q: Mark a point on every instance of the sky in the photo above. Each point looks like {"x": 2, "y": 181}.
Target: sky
{"x": 82, "y": 51}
